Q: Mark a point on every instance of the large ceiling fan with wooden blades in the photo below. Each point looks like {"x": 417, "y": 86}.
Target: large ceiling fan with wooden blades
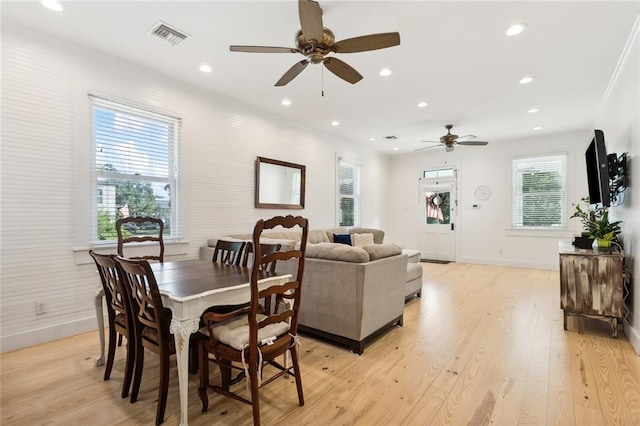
{"x": 315, "y": 42}
{"x": 450, "y": 140}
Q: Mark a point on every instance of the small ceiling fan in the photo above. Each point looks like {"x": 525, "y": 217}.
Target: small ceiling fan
{"x": 450, "y": 140}
{"x": 315, "y": 41}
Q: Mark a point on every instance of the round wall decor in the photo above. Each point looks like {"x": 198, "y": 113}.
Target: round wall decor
{"x": 483, "y": 192}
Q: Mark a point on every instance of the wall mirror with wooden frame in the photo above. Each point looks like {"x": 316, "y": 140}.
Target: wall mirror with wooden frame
{"x": 279, "y": 184}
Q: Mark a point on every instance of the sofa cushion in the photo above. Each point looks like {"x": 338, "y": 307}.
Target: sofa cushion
{"x": 378, "y": 251}
{"x": 337, "y": 251}
{"x": 360, "y": 240}
{"x": 342, "y": 239}
{"x": 285, "y": 245}
{"x": 317, "y": 236}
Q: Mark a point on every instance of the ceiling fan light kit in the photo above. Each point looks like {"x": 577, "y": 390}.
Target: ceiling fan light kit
{"x": 315, "y": 42}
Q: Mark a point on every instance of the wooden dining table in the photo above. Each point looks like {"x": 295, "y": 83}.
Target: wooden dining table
{"x": 188, "y": 288}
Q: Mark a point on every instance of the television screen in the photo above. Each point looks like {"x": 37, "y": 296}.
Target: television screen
{"x": 598, "y": 170}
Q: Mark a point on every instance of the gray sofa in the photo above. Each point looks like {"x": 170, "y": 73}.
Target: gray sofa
{"x": 350, "y": 294}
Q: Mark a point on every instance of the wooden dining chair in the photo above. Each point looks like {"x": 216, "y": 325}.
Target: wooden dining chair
{"x": 228, "y": 252}
{"x": 119, "y": 315}
{"x": 141, "y": 230}
{"x": 264, "y": 250}
{"x": 253, "y": 340}
{"x": 151, "y": 325}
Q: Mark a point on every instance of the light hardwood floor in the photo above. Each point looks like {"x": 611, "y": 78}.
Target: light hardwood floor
{"x": 484, "y": 345}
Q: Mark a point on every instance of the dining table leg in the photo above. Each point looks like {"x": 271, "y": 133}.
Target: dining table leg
{"x": 182, "y": 329}
{"x": 99, "y": 296}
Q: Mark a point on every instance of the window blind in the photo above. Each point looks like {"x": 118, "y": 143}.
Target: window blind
{"x": 348, "y": 193}
{"x": 135, "y": 165}
{"x": 539, "y": 191}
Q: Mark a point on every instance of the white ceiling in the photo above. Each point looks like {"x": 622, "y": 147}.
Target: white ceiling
{"x": 453, "y": 55}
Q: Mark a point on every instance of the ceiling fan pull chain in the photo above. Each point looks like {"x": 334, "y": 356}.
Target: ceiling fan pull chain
{"x": 322, "y": 80}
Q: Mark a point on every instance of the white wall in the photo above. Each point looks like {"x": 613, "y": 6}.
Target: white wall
{"x": 619, "y": 119}
{"x": 47, "y": 180}
{"x": 484, "y": 235}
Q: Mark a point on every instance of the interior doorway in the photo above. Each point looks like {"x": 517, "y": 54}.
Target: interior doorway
{"x": 438, "y": 214}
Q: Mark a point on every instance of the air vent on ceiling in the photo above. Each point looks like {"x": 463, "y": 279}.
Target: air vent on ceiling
{"x": 168, "y": 33}
{"x": 391, "y": 138}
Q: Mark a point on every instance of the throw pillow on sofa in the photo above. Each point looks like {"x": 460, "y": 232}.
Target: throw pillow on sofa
{"x": 360, "y": 240}
{"x": 342, "y": 239}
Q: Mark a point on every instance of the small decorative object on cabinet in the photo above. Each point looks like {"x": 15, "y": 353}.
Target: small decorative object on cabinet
{"x": 591, "y": 283}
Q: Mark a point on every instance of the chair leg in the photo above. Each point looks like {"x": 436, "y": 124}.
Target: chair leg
{"x": 111, "y": 352}
{"x": 255, "y": 401}
{"x": 204, "y": 375}
{"x": 128, "y": 369}
{"x": 163, "y": 388}
{"x": 225, "y": 373}
{"x": 296, "y": 370}
{"x": 137, "y": 374}
{"x": 119, "y": 340}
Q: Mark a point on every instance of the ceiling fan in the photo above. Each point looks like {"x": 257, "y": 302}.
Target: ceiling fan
{"x": 315, "y": 41}
{"x": 450, "y": 140}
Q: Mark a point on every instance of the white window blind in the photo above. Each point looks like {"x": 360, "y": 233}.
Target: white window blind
{"x": 135, "y": 166}
{"x": 539, "y": 192}
{"x": 348, "y": 193}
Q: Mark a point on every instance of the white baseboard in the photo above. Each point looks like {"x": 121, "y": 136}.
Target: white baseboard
{"x": 633, "y": 336}
{"x": 48, "y": 334}
{"x": 514, "y": 264}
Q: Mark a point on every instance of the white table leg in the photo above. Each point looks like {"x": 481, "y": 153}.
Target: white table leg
{"x": 100, "y": 318}
{"x": 182, "y": 331}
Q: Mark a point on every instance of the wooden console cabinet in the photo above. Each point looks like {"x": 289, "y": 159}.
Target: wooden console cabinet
{"x": 591, "y": 283}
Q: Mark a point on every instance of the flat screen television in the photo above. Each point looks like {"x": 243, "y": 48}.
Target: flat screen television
{"x": 598, "y": 170}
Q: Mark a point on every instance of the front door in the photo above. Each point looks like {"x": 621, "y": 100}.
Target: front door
{"x": 438, "y": 200}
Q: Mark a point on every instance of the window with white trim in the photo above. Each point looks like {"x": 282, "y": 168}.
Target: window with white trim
{"x": 135, "y": 166}
{"x": 348, "y": 193}
{"x": 539, "y": 192}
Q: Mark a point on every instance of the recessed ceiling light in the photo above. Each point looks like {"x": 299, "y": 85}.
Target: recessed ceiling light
{"x": 286, "y": 102}
{"x": 372, "y": 139}
{"x": 532, "y": 110}
{"x": 422, "y": 104}
{"x": 52, "y": 4}
{"x": 335, "y": 123}
{"x": 526, "y": 80}
{"x": 515, "y": 29}
{"x": 205, "y": 68}
{"x": 537, "y": 128}
{"x": 395, "y": 148}
{"x": 385, "y": 72}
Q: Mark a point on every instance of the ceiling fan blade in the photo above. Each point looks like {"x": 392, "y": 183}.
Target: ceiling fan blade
{"x": 367, "y": 42}
{"x": 310, "y": 19}
{"x": 342, "y": 70}
{"x": 438, "y": 142}
{"x": 263, "y": 49}
{"x": 467, "y": 137}
{"x": 477, "y": 143}
{"x": 292, "y": 73}
{"x": 428, "y": 147}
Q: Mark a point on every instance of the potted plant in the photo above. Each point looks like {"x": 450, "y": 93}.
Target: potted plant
{"x": 595, "y": 220}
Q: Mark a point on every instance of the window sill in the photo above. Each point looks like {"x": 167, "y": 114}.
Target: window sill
{"x": 172, "y": 247}
{"x": 539, "y": 232}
